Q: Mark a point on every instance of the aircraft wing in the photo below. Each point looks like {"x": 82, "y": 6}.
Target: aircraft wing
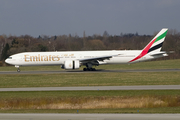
{"x": 96, "y": 59}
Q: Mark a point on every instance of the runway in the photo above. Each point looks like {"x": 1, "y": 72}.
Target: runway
{"x": 81, "y": 71}
{"x": 143, "y": 87}
{"x": 89, "y": 116}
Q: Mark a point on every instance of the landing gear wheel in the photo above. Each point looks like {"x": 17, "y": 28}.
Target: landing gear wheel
{"x": 89, "y": 69}
{"x": 93, "y": 69}
{"x": 18, "y": 70}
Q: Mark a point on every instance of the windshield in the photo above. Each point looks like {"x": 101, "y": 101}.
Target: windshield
{"x": 9, "y": 57}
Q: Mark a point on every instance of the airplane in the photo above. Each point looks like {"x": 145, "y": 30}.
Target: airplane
{"x": 70, "y": 60}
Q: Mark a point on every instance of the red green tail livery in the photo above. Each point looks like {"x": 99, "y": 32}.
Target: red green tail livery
{"x": 154, "y": 46}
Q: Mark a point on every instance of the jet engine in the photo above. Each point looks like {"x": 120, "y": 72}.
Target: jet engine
{"x": 71, "y": 64}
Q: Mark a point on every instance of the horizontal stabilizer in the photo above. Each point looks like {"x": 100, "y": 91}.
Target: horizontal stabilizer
{"x": 160, "y": 53}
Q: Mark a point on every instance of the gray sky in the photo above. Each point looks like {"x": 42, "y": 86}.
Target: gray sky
{"x": 58, "y": 17}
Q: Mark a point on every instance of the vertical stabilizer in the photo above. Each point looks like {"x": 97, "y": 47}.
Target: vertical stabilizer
{"x": 154, "y": 45}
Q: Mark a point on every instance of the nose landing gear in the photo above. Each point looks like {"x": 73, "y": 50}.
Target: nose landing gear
{"x": 18, "y": 70}
{"x": 17, "y": 66}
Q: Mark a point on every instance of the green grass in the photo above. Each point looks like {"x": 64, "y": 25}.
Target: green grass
{"x": 163, "y": 64}
{"x": 89, "y": 79}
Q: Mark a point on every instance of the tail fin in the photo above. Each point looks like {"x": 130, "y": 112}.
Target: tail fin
{"x": 154, "y": 45}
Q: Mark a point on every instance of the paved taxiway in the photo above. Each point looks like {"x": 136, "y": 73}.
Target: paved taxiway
{"x": 142, "y": 87}
{"x": 80, "y": 71}
{"x": 89, "y": 116}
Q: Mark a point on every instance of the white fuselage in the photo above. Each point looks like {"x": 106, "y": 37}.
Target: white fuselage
{"x": 58, "y": 58}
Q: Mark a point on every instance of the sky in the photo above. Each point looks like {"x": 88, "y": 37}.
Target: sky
{"x": 64, "y": 17}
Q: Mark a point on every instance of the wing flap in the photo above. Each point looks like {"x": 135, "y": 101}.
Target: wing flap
{"x": 95, "y": 59}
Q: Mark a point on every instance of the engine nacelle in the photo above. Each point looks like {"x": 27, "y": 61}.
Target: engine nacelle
{"x": 71, "y": 64}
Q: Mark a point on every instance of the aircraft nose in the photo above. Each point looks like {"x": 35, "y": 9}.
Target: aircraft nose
{"x": 6, "y": 61}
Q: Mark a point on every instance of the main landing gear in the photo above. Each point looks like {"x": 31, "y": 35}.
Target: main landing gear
{"x": 18, "y": 70}
{"x": 89, "y": 67}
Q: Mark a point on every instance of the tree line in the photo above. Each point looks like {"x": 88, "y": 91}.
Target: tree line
{"x": 10, "y": 45}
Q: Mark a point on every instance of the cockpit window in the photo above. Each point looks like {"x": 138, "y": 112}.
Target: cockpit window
{"x": 9, "y": 57}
